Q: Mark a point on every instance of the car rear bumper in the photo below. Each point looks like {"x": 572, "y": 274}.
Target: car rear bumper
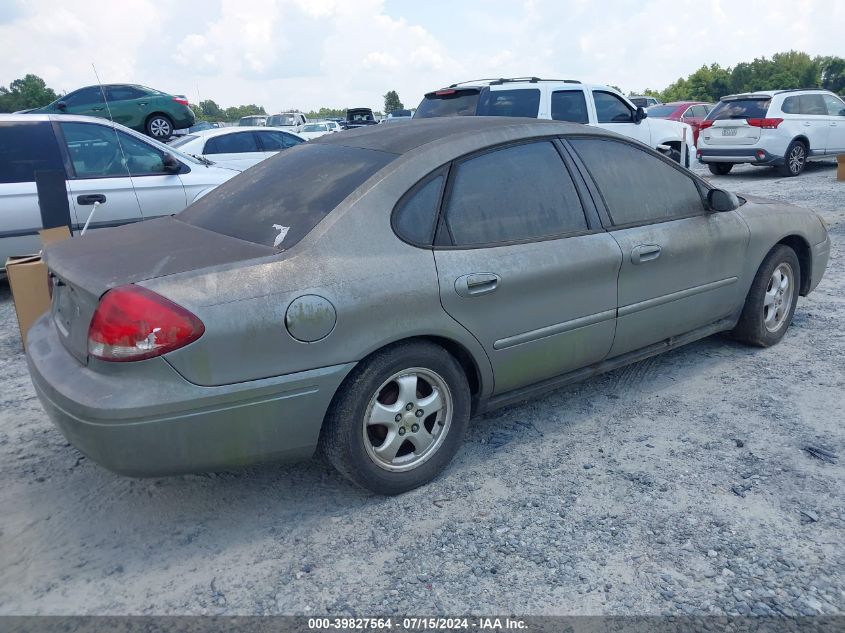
{"x": 753, "y": 155}
{"x": 144, "y": 419}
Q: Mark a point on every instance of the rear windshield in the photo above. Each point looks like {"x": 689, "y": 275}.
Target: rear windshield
{"x": 281, "y": 119}
{"x": 278, "y": 202}
{"x": 448, "y": 103}
{"x": 660, "y": 111}
{"x": 485, "y": 102}
{"x": 755, "y": 108}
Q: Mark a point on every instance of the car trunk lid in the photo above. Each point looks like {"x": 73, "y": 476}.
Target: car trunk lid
{"x": 82, "y": 269}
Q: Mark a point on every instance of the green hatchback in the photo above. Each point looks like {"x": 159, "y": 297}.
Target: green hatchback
{"x": 152, "y": 112}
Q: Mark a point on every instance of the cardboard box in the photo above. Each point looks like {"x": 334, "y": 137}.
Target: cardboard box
{"x": 29, "y": 282}
{"x": 840, "y": 167}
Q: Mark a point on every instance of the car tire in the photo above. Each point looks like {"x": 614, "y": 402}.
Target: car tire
{"x": 377, "y": 432}
{"x": 159, "y": 127}
{"x": 771, "y": 301}
{"x": 795, "y": 159}
{"x": 675, "y": 155}
{"x": 720, "y": 169}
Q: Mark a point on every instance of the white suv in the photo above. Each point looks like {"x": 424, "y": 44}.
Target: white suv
{"x": 781, "y": 128}
{"x": 560, "y": 100}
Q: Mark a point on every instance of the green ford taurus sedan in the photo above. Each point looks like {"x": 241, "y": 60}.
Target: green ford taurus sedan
{"x": 365, "y": 294}
{"x": 143, "y": 109}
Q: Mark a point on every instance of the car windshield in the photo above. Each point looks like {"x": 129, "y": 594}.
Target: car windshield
{"x": 315, "y": 127}
{"x": 182, "y": 140}
{"x": 750, "y": 108}
{"x": 278, "y": 202}
{"x": 281, "y": 119}
{"x": 252, "y": 120}
{"x": 660, "y": 111}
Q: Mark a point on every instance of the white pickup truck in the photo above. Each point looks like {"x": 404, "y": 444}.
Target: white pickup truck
{"x": 561, "y": 100}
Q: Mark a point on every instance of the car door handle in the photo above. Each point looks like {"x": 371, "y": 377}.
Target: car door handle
{"x": 807, "y": 124}
{"x": 142, "y": 104}
{"x": 96, "y": 109}
{"x": 91, "y": 198}
{"x": 476, "y": 284}
{"x": 645, "y": 253}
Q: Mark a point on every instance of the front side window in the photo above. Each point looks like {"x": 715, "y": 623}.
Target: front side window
{"x": 416, "y": 215}
{"x": 661, "y": 111}
{"x": 83, "y": 97}
{"x": 141, "y": 158}
{"x": 569, "y": 105}
{"x": 277, "y": 141}
{"x": 94, "y": 150}
{"x": 637, "y": 186}
{"x": 239, "y": 143}
{"x": 516, "y": 193}
{"x": 521, "y": 103}
{"x": 26, "y": 148}
{"x": 611, "y": 109}
{"x": 835, "y": 107}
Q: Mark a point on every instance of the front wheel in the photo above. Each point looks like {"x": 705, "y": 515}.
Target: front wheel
{"x": 159, "y": 126}
{"x": 794, "y": 160}
{"x": 720, "y": 169}
{"x": 771, "y": 301}
{"x": 398, "y": 419}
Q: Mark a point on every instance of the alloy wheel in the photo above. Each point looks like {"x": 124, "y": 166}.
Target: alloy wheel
{"x": 796, "y": 158}
{"x": 160, "y": 127}
{"x": 778, "y": 299}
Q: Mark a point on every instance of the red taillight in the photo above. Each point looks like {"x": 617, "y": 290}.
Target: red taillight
{"x": 133, "y": 323}
{"x": 766, "y": 124}
{"x": 181, "y": 100}
{"x": 705, "y": 124}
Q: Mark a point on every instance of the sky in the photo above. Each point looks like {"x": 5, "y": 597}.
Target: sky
{"x": 304, "y": 54}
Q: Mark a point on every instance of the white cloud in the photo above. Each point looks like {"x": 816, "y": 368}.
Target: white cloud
{"x": 311, "y": 53}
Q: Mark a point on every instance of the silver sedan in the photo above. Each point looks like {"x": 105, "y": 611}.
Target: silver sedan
{"x": 367, "y": 293}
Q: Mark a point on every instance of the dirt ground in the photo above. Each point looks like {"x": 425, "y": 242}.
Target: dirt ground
{"x": 677, "y": 485}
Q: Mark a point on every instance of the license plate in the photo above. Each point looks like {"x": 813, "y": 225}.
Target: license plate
{"x": 729, "y": 131}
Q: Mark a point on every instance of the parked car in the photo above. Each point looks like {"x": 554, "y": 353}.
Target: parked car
{"x": 359, "y": 117}
{"x": 132, "y": 175}
{"x": 500, "y": 257}
{"x": 143, "y": 109}
{"x": 237, "y": 147}
{"x": 291, "y": 121}
{"x": 560, "y": 100}
{"x": 253, "y": 120}
{"x": 398, "y": 115}
{"x": 780, "y": 128}
{"x": 317, "y": 129}
{"x": 644, "y": 102}
{"x": 690, "y": 112}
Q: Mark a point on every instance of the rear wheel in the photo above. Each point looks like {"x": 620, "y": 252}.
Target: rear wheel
{"x": 772, "y": 299}
{"x": 720, "y": 169}
{"x": 794, "y": 160}
{"x": 398, "y": 419}
{"x": 159, "y": 126}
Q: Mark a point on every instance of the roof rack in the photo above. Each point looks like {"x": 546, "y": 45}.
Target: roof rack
{"x": 777, "y": 92}
{"x": 498, "y": 81}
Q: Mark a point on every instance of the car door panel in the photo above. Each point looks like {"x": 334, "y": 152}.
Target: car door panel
{"x": 836, "y": 125}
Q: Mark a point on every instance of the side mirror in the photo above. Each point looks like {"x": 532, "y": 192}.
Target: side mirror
{"x": 842, "y": 112}
{"x": 61, "y": 105}
{"x": 640, "y": 114}
{"x": 171, "y": 165}
{"x": 721, "y": 200}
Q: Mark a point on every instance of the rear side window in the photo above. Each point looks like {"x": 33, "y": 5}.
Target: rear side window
{"x": 416, "y": 214}
{"x": 740, "y": 109}
{"x": 26, "y": 148}
{"x": 123, "y": 93}
{"x": 448, "y": 103}
{"x": 637, "y": 186}
{"x": 277, "y": 141}
{"x": 698, "y": 111}
{"x": 512, "y": 194}
{"x": 278, "y": 202}
{"x": 812, "y": 104}
{"x": 661, "y": 111}
{"x": 239, "y": 143}
{"x": 522, "y": 103}
{"x": 569, "y": 105}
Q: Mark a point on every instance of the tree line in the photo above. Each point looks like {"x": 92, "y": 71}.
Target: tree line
{"x": 792, "y": 69}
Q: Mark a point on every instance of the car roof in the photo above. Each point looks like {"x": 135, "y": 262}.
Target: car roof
{"x": 400, "y": 139}
{"x": 685, "y": 103}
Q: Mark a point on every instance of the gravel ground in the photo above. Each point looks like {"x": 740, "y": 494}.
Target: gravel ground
{"x": 676, "y": 485}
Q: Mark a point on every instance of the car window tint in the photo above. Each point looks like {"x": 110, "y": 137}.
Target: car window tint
{"x": 812, "y": 104}
{"x": 27, "y": 147}
{"x": 661, "y": 111}
{"x": 448, "y": 103}
{"x": 123, "y": 93}
{"x": 569, "y": 105}
{"x": 141, "y": 158}
{"x": 522, "y": 103}
{"x": 294, "y": 190}
{"x": 835, "y": 107}
{"x": 636, "y": 185}
{"x": 699, "y": 111}
{"x": 515, "y": 193}
{"x": 277, "y": 141}
{"x": 93, "y": 150}
{"x": 415, "y": 217}
{"x": 751, "y": 108}
{"x": 611, "y": 109}
{"x": 85, "y": 96}
{"x": 237, "y": 143}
